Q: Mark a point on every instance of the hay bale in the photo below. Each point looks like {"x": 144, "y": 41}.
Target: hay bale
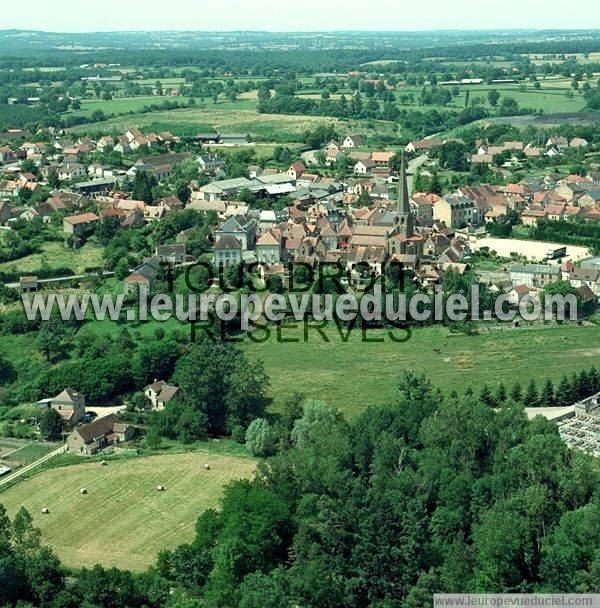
{"x": 83, "y": 491}
{"x": 104, "y": 463}
{"x": 207, "y": 467}
{"x": 160, "y": 488}
{"x": 45, "y": 511}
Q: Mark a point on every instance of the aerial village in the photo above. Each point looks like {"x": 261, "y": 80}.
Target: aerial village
{"x": 303, "y": 213}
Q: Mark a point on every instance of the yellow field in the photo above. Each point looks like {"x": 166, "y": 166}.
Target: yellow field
{"x": 123, "y": 521}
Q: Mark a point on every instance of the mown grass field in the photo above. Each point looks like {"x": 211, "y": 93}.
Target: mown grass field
{"x": 355, "y": 374}
{"x": 123, "y": 521}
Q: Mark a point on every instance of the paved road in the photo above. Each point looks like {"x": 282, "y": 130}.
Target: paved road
{"x": 33, "y": 465}
{"x": 102, "y": 412}
{"x": 71, "y": 277}
{"x": 76, "y": 277}
{"x": 411, "y": 169}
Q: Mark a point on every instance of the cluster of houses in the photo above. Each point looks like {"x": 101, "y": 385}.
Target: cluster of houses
{"x": 331, "y": 228}
{"x": 530, "y": 279}
{"x": 485, "y": 152}
{"x": 87, "y": 438}
{"x": 63, "y": 158}
{"x": 555, "y": 146}
{"x": 363, "y": 220}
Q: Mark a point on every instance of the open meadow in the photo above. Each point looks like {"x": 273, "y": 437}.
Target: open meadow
{"x": 353, "y": 375}
{"x": 120, "y": 105}
{"x": 123, "y": 520}
{"x": 356, "y": 374}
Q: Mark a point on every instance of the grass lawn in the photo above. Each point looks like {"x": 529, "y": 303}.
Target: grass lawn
{"x": 57, "y": 255}
{"x": 355, "y": 374}
{"x": 123, "y": 521}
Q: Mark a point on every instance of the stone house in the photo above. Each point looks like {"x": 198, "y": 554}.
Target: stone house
{"x": 268, "y": 249}
{"x": 160, "y": 393}
{"x": 69, "y": 404}
{"x": 102, "y": 433}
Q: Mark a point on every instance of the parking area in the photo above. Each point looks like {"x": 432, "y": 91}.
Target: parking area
{"x": 534, "y": 251}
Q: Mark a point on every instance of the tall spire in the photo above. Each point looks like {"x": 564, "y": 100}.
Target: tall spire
{"x": 403, "y": 204}
{"x": 405, "y": 218}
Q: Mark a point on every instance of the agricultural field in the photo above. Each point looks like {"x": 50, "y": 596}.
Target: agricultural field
{"x": 580, "y": 57}
{"x": 241, "y": 115}
{"x": 123, "y": 521}
{"x": 120, "y": 105}
{"x": 551, "y": 97}
{"x": 324, "y": 370}
{"x": 229, "y": 118}
{"x": 368, "y": 375}
{"x": 10, "y": 445}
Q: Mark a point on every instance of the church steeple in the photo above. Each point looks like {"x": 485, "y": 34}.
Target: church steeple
{"x": 405, "y": 218}
{"x": 403, "y": 205}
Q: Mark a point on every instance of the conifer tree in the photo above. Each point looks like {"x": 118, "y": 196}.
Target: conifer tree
{"x": 516, "y": 393}
{"x": 547, "y": 395}
{"x": 531, "y": 395}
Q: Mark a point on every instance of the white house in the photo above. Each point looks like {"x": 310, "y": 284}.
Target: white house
{"x": 352, "y": 141}
{"x": 363, "y": 166}
{"x": 160, "y": 393}
{"x": 516, "y": 294}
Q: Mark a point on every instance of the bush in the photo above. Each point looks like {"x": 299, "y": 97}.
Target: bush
{"x": 50, "y": 425}
{"x": 238, "y": 433}
{"x": 259, "y": 438}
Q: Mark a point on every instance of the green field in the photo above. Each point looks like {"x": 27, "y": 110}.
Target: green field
{"x": 123, "y": 521}
{"x": 120, "y": 105}
{"x": 9, "y": 445}
{"x": 238, "y": 117}
{"x": 26, "y": 454}
{"x": 355, "y": 374}
{"x": 55, "y": 254}
{"x": 241, "y": 115}
{"x": 551, "y": 98}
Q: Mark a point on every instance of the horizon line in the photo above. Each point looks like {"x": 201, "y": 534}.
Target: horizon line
{"x": 304, "y": 31}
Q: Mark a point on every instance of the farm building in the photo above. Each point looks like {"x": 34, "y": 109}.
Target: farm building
{"x": 104, "y": 432}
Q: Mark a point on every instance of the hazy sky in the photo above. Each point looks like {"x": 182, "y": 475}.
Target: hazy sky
{"x": 274, "y": 15}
